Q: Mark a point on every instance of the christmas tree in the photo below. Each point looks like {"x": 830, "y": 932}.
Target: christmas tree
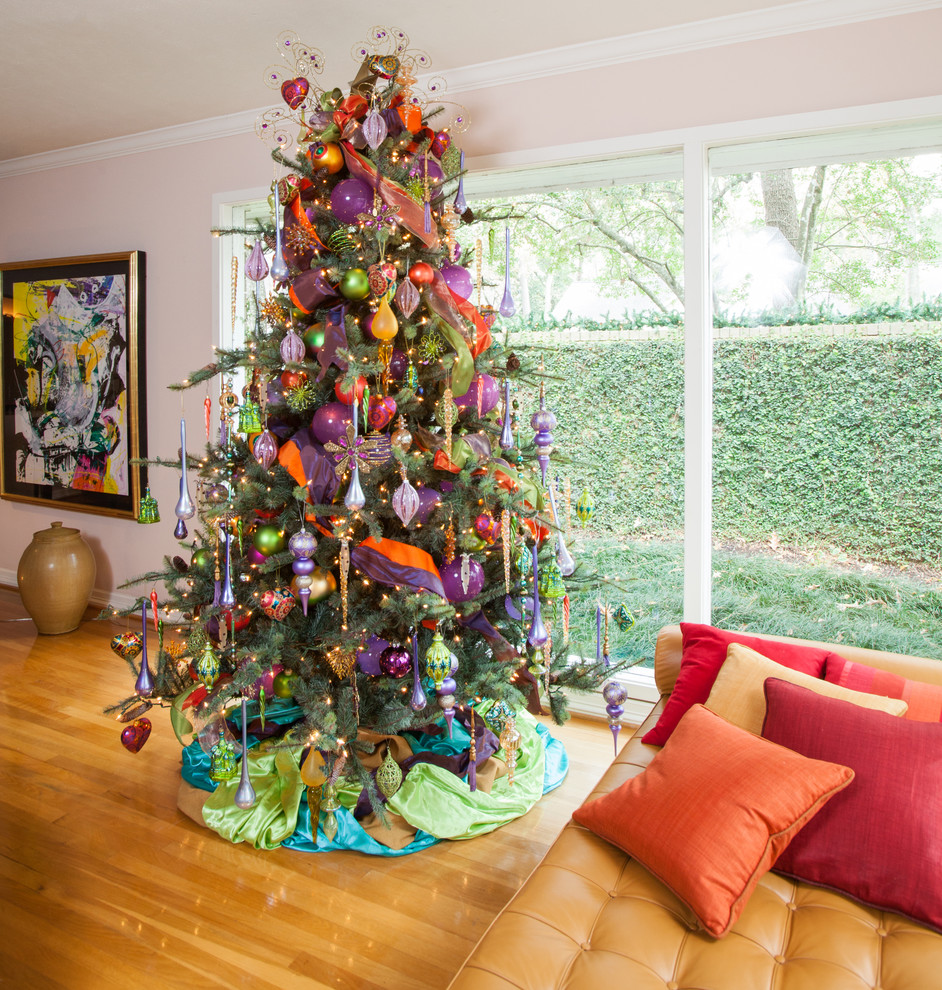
{"x": 374, "y": 594}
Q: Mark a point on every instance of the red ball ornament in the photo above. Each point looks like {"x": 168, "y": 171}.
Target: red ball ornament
{"x": 346, "y": 396}
{"x": 292, "y": 379}
{"x": 381, "y": 412}
{"x": 422, "y": 273}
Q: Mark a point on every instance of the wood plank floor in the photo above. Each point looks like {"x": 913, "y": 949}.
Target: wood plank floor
{"x": 104, "y": 883}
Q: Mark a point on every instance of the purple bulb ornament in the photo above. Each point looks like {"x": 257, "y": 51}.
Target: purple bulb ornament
{"x": 615, "y": 695}
{"x": 245, "y": 794}
{"x": 506, "y": 433}
{"x": 226, "y": 596}
{"x": 538, "y": 634}
{"x": 543, "y": 422}
{"x": 302, "y": 546}
{"x": 256, "y": 267}
{"x": 265, "y": 448}
{"x": 279, "y": 267}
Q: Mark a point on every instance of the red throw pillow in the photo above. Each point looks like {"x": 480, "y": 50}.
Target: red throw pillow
{"x": 712, "y": 811}
{"x": 924, "y": 700}
{"x": 880, "y": 840}
{"x": 704, "y": 652}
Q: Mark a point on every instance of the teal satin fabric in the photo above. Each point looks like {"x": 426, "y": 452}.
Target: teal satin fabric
{"x": 434, "y": 801}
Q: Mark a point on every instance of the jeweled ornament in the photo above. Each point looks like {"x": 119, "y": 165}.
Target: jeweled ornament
{"x": 277, "y": 603}
{"x": 623, "y": 618}
{"x": 395, "y": 661}
{"x": 128, "y": 646}
{"x": 497, "y": 716}
{"x": 294, "y": 91}
{"x": 381, "y": 412}
{"x": 134, "y": 736}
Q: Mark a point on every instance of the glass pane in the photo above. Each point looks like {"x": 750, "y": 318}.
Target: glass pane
{"x": 828, "y": 402}
{"x": 596, "y": 280}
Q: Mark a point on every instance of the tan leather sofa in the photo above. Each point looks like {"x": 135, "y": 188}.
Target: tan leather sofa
{"x": 591, "y": 918}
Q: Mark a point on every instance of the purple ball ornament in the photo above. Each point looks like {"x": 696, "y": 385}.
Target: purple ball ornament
{"x": 462, "y": 579}
{"x": 330, "y": 421}
{"x": 458, "y": 279}
{"x": 395, "y": 661}
{"x": 429, "y": 500}
{"x": 302, "y": 544}
{"x": 265, "y": 449}
{"x": 254, "y": 557}
{"x": 482, "y": 395}
{"x": 349, "y": 198}
{"x": 398, "y": 364}
{"x": 435, "y": 173}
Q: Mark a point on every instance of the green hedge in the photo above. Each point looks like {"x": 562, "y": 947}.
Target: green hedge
{"x": 824, "y": 441}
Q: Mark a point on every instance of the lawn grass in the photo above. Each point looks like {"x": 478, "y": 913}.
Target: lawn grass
{"x": 758, "y": 594}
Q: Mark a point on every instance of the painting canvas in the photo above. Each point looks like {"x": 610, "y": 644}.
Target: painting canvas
{"x": 72, "y": 382}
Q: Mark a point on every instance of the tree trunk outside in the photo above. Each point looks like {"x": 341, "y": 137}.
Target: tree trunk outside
{"x": 781, "y": 205}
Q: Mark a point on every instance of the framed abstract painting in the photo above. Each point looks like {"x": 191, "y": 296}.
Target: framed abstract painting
{"x": 72, "y": 383}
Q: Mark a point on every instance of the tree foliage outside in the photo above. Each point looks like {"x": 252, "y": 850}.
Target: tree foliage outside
{"x": 844, "y": 235}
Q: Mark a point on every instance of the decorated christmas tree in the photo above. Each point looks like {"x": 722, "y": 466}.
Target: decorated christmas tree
{"x": 374, "y": 590}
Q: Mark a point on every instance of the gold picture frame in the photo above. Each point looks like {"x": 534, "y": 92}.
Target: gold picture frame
{"x": 72, "y": 383}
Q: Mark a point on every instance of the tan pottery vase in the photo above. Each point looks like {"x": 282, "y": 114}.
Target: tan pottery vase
{"x": 55, "y": 576}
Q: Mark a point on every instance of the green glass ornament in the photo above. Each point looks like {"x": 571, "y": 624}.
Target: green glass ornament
{"x": 207, "y": 667}
{"x": 524, "y": 560}
{"x": 202, "y": 558}
{"x": 389, "y": 776}
{"x": 149, "y": 513}
{"x": 412, "y": 376}
{"x": 551, "y": 581}
{"x": 585, "y": 507}
{"x": 341, "y": 243}
{"x": 223, "y": 763}
{"x": 313, "y": 337}
{"x": 250, "y": 417}
{"x": 437, "y": 660}
{"x": 354, "y": 284}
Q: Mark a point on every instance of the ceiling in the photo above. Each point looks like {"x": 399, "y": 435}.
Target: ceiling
{"x": 78, "y": 71}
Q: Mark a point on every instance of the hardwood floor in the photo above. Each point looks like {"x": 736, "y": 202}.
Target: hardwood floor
{"x": 106, "y": 884}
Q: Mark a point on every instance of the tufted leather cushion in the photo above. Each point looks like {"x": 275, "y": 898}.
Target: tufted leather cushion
{"x": 591, "y": 918}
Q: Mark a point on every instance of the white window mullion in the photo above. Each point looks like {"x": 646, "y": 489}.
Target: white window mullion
{"x": 698, "y": 386}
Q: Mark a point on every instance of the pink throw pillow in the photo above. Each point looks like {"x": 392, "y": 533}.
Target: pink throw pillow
{"x": 924, "y": 700}
{"x": 704, "y": 652}
{"x": 879, "y": 840}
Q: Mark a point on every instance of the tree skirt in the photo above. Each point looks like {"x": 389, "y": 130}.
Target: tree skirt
{"x": 432, "y": 804}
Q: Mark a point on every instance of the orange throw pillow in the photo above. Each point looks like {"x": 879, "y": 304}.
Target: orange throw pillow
{"x": 713, "y": 811}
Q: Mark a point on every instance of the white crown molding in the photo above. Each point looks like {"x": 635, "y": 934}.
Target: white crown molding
{"x": 730, "y": 29}
{"x": 805, "y": 15}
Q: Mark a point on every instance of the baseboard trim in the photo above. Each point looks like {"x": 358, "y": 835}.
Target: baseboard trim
{"x": 100, "y": 597}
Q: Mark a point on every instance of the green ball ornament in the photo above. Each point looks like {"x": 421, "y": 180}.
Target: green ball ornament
{"x": 314, "y": 337}
{"x": 355, "y": 284}
{"x": 283, "y": 684}
{"x": 268, "y": 539}
{"x": 202, "y": 558}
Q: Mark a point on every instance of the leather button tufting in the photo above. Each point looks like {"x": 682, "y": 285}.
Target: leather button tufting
{"x": 781, "y": 960}
{"x": 792, "y": 906}
{"x": 881, "y": 931}
{"x": 585, "y": 946}
{"x": 672, "y": 985}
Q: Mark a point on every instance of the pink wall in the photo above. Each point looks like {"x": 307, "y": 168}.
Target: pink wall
{"x": 160, "y": 202}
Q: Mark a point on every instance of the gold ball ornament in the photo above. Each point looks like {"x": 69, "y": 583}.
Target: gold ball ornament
{"x": 327, "y": 156}
{"x": 322, "y": 583}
